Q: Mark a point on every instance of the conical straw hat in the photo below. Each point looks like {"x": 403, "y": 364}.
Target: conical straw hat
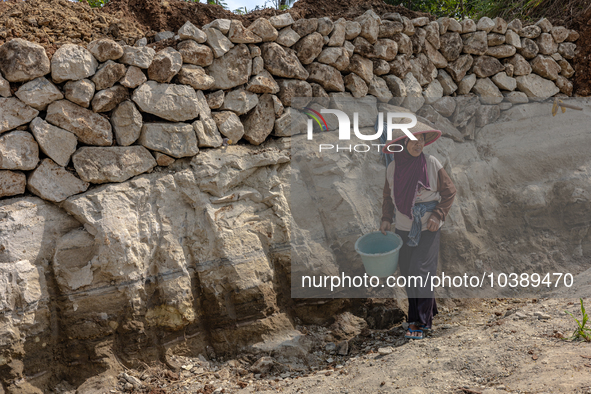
{"x": 431, "y": 135}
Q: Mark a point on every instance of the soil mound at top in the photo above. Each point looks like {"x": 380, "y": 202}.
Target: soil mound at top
{"x": 172, "y": 14}
{"x": 53, "y": 23}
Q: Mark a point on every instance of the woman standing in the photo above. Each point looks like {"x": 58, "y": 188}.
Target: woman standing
{"x": 421, "y": 193}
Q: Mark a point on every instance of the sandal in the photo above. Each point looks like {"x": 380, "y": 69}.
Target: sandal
{"x": 414, "y": 337}
{"x": 423, "y": 327}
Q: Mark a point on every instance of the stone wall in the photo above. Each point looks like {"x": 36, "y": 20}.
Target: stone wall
{"x": 154, "y": 223}
{"x": 114, "y": 111}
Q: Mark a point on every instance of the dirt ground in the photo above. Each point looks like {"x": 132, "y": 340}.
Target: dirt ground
{"x": 490, "y": 346}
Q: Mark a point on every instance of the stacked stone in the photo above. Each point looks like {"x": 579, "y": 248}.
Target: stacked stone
{"x": 224, "y": 83}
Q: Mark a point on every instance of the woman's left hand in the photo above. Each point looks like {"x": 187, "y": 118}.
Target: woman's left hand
{"x": 433, "y": 224}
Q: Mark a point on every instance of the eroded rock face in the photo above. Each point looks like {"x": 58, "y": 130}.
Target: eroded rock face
{"x": 21, "y": 60}
{"x": 12, "y": 183}
{"x": 168, "y": 101}
{"x": 89, "y": 127}
{"x": 174, "y": 139}
{"x": 229, "y": 125}
{"x": 111, "y": 164}
{"x": 259, "y": 123}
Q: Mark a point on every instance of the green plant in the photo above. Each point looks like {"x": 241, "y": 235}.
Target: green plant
{"x": 221, "y": 3}
{"x": 581, "y": 332}
{"x": 241, "y": 11}
{"x": 94, "y": 3}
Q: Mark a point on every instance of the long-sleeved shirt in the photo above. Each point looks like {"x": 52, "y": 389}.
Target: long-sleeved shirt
{"x": 444, "y": 192}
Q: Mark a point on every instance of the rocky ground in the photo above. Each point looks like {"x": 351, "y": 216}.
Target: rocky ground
{"x": 478, "y": 346}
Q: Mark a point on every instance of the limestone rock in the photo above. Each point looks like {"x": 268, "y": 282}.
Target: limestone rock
{"x": 52, "y": 182}
{"x": 475, "y": 43}
{"x": 290, "y": 88}
{"x": 494, "y": 39}
{"x": 379, "y": 89}
{"x": 516, "y": 97}
{"x": 277, "y": 106}
{"x": 362, "y": 67}
{"x": 79, "y": 92}
{"x": 396, "y": 86}
{"x": 105, "y": 49}
{"x": 240, "y": 101}
{"x": 175, "y": 103}
{"x": 215, "y": 99}
{"x": 335, "y": 57}
{"x": 112, "y": 164}
{"x": 282, "y": 62}
{"x": 573, "y": 36}
{"x": 414, "y": 99}
{"x": 433, "y": 92}
{"x": 530, "y": 32}
{"x": 420, "y": 21}
{"x": 258, "y": 65}
{"x": 207, "y": 133}
{"x": 435, "y": 56}
{"x": 305, "y": 26}
{"x": 163, "y": 35}
{"x": 504, "y": 82}
{"x": 259, "y": 123}
{"x": 486, "y": 24}
{"x": 190, "y": 32}
{"x": 408, "y": 27}
{"x": 14, "y": 113}
{"x": 222, "y": 25}
{"x": 127, "y": 123}
{"x": 38, "y": 93}
{"x": 468, "y": 26}
{"x": 263, "y": 29}
{"x": 204, "y": 110}
{"x": 4, "y": 87}
{"x": 567, "y": 50}
{"x": 546, "y": 67}
{"x": 567, "y": 69}
{"x": 488, "y": 92}
{"x": 546, "y": 44}
{"x": 18, "y": 151}
{"x": 232, "y": 69}
{"x": 535, "y": 86}
{"x": 165, "y": 65}
{"x": 229, "y": 124}
{"x": 174, "y": 139}
{"x": 56, "y": 143}
{"x": 72, "y": 62}
{"x": 307, "y": 48}
{"x": 12, "y": 183}
{"x": 432, "y": 37}
{"x": 447, "y": 83}
{"x": 445, "y": 106}
{"x": 515, "y": 25}
{"x": 512, "y": 38}
{"x": 106, "y": 100}
{"x": 217, "y": 41}
{"x": 400, "y": 66}
{"x": 287, "y": 37}
{"x": 385, "y": 49}
{"x": 544, "y": 24}
{"x": 349, "y": 47}
{"x": 21, "y": 60}
{"x": 196, "y": 77}
{"x": 500, "y": 26}
{"x": 337, "y": 36}
{"x": 388, "y": 29}
{"x": 325, "y": 26}
{"x": 262, "y": 83}
{"x": 281, "y": 21}
{"x": 363, "y": 47}
{"x": 564, "y": 85}
{"x": 137, "y": 56}
{"x": 486, "y": 66}
{"x": 194, "y": 53}
{"x": 381, "y": 67}
{"x": 291, "y": 122}
{"x": 356, "y": 85}
{"x": 487, "y": 114}
{"x": 466, "y": 84}
{"x": 329, "y": 77}
{"x": 404, "y": 43}
{"x": 459, "y": 67}
{"x": 163, "y": 160}
{"x": 520, "y": 65}
{"x": 108, "y": 74}
{"x": 240, "y": 35}
{"x": 423, "y": 69}
{"x": 90, "y": 128}
{"x": 501, "y": 51}
{"x": 559, "y": 33}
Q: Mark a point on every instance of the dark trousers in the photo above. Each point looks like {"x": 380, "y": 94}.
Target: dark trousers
{"x": 420, "y": 260}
